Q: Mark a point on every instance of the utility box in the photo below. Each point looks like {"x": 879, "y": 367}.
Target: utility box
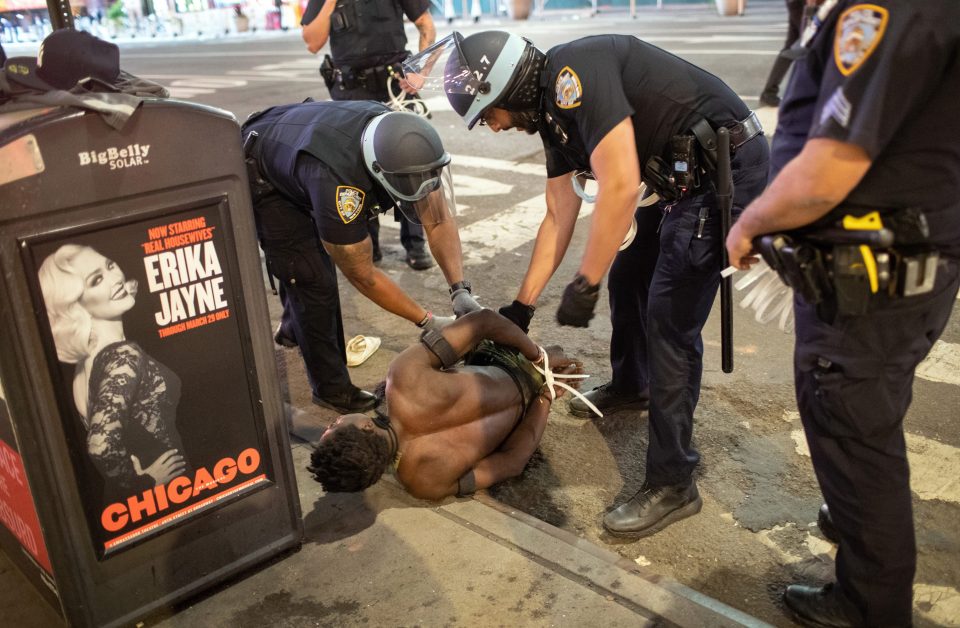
{"x": 144, "y": 454}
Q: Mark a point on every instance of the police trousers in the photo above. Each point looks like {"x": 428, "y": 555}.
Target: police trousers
{"x": 308, "y": 290}
{"x": 662, "y": 288}
{"x": 854, "y": 378}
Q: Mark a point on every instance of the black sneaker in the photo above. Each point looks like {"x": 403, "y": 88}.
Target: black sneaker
{"x": 351, "y": 401}
{"x": 653, "y": 509}
{"x": 607, "y": 400}
{"x": 281, "y": 338}
{"x": 419, "y": 259}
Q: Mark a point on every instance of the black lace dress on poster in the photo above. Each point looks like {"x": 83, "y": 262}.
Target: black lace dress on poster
{"x": 133, "y": 405}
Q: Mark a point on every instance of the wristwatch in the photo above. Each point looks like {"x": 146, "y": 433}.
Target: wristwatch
{"x": 460, "y": 285}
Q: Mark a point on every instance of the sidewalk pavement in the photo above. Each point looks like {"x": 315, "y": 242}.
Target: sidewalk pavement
{"x": 383, "y": 558}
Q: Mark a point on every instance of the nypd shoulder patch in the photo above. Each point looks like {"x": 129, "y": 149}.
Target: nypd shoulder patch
{"x": 349, "y": 202}
{"x": 569, "y": 90}
{"x": 859, "y": 31}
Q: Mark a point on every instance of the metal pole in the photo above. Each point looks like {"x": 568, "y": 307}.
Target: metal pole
{"x": 725, "y": 204}
{"x": 60, "y": 14}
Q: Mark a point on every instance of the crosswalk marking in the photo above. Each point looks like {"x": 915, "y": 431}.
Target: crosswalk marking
{"x": 942, "y": 365}
{"x": 487, "y": 163}
{"x": 934, "y": 466}
{"x": 506, "y": 230}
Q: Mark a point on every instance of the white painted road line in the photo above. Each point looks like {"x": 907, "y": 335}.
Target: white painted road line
{"x": 487, "y": 163}
{"x": 506, "y": 230}
{"x": 933, "y": 469}
{"x": 942, "y": 365}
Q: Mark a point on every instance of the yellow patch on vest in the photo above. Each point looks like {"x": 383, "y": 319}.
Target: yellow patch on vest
{"x": 859, "y": 31}
{"x": 349, "y": 202}
{"x": 569, "y": 90}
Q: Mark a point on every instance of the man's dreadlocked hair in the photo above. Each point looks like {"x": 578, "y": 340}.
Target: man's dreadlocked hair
{"x": 351, "y": 459}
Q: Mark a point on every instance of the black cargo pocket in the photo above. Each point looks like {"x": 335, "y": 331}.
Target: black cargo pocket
{"x": 852, "y": 405}
{"x": 291, "y": 268}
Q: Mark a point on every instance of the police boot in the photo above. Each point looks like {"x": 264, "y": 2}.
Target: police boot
{"x": 283, "y": 339}
{"x": 607, "y": 400}
{"x": 825, "y": 523}
{"x": 820, "y": 606}
{"x": 419, "y": 259}
{"x": 349, "y": 401}
{"x": 654, "y": 508}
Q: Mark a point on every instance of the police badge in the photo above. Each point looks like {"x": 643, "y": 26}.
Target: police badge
{"x": 349, "y": 202}
{"x": 569, "y": 90}
{"x": 859, "y": 30}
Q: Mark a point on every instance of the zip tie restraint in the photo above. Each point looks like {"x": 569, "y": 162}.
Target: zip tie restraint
{"x": 551, "y": 378}
{"x": 770, "y": 298}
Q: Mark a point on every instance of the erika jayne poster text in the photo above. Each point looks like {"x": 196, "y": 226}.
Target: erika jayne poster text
{"x": 159, "y": 402}
{"x": 184, "y": 271}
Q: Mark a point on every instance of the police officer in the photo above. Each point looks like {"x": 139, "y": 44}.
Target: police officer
{"x": 319, "y": 171}
{"x": 867, "y": 140}
{"x": 367, "y": 40}
{"x": 770, "y": 97}
{"x": 614, "y": 106}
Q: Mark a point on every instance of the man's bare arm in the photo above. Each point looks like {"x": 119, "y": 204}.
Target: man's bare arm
{"x": 810, "y": 185}
{"x": 616, "y": 166}
{"x": 467, "y": 331}
{"x": 316, "y": 32}
{"x": 442, "y": 234}
{"x": 355, "y": 261}
{"x": 427, "y": 29}
{"x": 553, "y": 237}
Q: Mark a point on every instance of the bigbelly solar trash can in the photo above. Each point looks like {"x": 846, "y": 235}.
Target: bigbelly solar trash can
{"x": 144, "y": 454}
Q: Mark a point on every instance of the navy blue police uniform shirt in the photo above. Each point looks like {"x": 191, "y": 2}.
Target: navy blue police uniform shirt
{"x": 885, "y": 76}
{"x": 345, "y": 196}
{"x": 372, "y": 29}
{"x": 592, "y": 84}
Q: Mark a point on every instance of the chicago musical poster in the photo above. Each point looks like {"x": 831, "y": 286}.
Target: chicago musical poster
{"x": 144, "y": 335}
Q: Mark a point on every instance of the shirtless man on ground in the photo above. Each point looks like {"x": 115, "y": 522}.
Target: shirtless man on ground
{"x": 465, "y": 409}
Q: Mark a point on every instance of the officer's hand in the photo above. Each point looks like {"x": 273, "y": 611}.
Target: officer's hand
{"x": 740, "y": 251}
{"x": 406, "y": 86}
{"x": 519, "y": 314}
{"x": 578, "y": 302}
{"x": 437, "y": 323}
{"x": 463, "y": 302}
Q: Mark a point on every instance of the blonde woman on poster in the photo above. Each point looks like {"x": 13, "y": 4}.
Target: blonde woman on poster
{"x": 126, "y": 399}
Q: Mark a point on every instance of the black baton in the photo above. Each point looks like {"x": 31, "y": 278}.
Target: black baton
{"x": 725, "y": 203}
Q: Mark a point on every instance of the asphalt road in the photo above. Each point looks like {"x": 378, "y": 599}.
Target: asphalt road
{"x": 755, "y": 533}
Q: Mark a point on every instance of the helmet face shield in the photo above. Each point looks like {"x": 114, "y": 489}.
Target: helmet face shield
{"x": 472, "y": 72}
{"x": 440, "y": 68}
{"x": 412, "y": 186}
{"x": 434, "y": 207}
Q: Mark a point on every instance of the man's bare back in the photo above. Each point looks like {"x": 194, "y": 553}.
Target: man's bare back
{"x": 459, "y": 428}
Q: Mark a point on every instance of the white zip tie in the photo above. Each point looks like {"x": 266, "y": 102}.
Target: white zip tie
{"x": 550, "y": 378}
{"x": 769, "y": 298}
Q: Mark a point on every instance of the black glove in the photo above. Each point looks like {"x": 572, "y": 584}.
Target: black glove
{"x": 579, "y": 300}
{"x": 519, "y": 314}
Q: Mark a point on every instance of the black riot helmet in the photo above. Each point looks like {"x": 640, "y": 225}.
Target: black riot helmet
{"x": 405, "y": 155}
{"x": 486, "y": 69}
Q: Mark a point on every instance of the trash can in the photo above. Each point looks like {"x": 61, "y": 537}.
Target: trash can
{"x": 144, "y": 454}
